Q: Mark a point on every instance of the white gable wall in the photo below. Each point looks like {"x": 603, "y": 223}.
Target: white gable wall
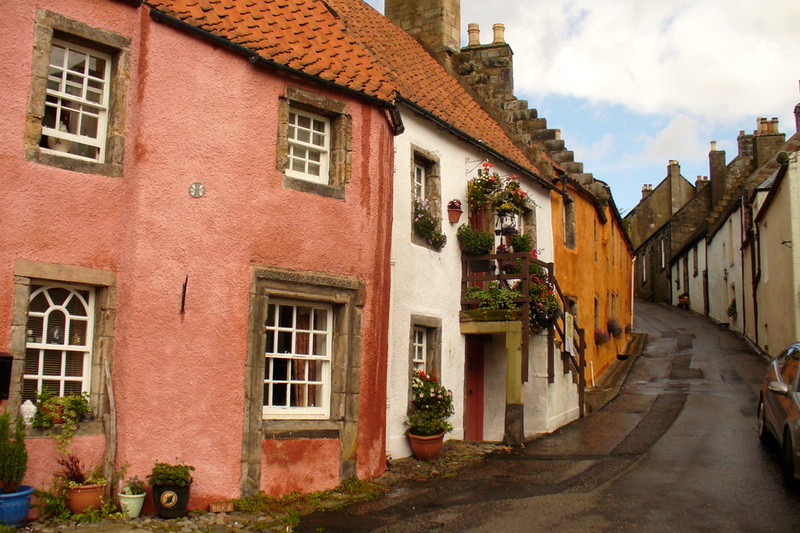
{"x": 427, "y": 283}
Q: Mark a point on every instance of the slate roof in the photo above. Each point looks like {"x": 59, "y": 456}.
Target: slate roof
{"x": 348, "y": 43}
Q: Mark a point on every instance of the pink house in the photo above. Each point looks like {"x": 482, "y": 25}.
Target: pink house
{"x": 196, "y": 221}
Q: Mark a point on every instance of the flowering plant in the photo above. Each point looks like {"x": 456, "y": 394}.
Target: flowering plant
{"x": 431, "y": 406}
{"x": 601, "y": 336}
{"x": 509, "y": 198}
{"x": 427, "y": 224}
{"x": 545, "y": 307}
{"x": 480, "y": 190}
{"x": 455, "y": 203}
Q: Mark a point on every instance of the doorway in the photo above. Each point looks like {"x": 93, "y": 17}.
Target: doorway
{"x": 473, "y": 415}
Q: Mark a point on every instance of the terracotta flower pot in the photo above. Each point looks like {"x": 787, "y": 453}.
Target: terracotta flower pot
{"x": 85, "y": 496}
{"x": 454, "y": 215}
{"x": 426, "y": 448}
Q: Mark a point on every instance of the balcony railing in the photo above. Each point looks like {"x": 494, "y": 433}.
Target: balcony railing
{"x": 473, "y": 276}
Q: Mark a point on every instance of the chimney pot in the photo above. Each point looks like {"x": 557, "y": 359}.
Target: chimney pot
{"x": 499, "y": 33}
{"x": 713, "y": 146}
{"x": 474, "y": 32}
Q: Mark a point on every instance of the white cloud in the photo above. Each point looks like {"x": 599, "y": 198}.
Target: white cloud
{"x": 709, "y": 58}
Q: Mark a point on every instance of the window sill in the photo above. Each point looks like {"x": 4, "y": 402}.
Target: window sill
{"x": 300, "y": 429}
{"x": 93, "y": 427}
{"x": 320, "y": 189}
{"x": 75, "y": 165}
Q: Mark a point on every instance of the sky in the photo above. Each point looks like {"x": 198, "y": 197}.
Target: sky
{"x": 633, "y": 84}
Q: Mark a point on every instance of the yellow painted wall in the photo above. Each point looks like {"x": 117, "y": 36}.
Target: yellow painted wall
{"x": 599, "y": 266}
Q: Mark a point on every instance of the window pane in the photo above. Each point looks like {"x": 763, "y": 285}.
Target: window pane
{"x": 52, "y": 386}
{"x": 58, "y": 295}
{"x": 29, "y": 389}
{"x": 77, "y": 332}
{"x": 52, "y": 363}
{"x": 31, "y": 361}
{"x": 314, "y": 395}
{"x": 320, "y": 344}
{"x": 321, "y": 320}
{"x": 72, "y": 387}
{"x": 74, "y": 366}
{"x": 278, "y": 398}
{"x": 303, "y": 121}
{"x": 89, "y": 125}
{"x": 313, "y": 169}
{"x": 285, "y": 316}
{"x": 299, "y": 370}
{"x": 303, "y": 135}
{"x": 76, "y": 61}
{"x": 97, "y": 67}
{"x": 284, "y": 342}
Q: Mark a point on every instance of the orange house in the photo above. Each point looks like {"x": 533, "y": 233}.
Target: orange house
{"x": 593, "y": 262}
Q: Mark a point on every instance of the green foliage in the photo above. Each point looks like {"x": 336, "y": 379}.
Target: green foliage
{"x": 107, "y": 511}
{"x": 133, "y": 486}
{"x": 427, "y": 225}
{"x": 431, "y": 406}
{"x": 520, "y": 242}
{"x": 494, "y": 297}
{"x": 170, "y": 474}
{"x": 473, "y": 241}
{"x": 70, "y": 409}
{"x": 7, "y": 529}
{"x": 13, "y": 454}
{"x": 52, "y": 504}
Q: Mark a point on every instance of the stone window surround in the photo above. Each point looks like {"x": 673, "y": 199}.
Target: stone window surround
{"x": 346, "y": 295}
{"x": 340, "y": 146}
{"x": 48, "y": 25}
{"x": 104, "y": 283}
{"x": 433, "y": 187}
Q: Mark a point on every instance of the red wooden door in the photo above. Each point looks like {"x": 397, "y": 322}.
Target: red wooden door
{"x": 473, "y": 417}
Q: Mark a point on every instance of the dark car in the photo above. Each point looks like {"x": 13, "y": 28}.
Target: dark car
{"x": 779, "y": 410}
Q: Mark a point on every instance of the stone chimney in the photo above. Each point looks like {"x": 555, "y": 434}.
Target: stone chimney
{"x": 434, "y": 23}
{"x": 647, "y": 189}
{"x": 767, "y": 140}
{"x": 487, "y": 68}
{"x": 718, "y": 172}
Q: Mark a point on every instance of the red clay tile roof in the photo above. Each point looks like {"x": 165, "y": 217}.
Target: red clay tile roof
{"x": 305, "y": 35}
{"x": 349, "y": 43}
{"x": 420, "y": 78}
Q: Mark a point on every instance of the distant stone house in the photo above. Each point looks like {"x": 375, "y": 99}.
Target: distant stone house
{"x": 718, "y": 227}
{"x": 771, "y": 300}
{"x": 197, "y": 234}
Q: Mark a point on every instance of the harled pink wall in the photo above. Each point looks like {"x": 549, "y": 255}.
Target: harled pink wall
{"x": 196, "y": 113}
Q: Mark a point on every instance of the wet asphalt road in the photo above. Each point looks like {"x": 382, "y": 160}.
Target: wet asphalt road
{"x": 677, "y": 450}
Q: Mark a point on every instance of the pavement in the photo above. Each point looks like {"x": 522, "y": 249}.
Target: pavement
{"x": 400, "y": 479}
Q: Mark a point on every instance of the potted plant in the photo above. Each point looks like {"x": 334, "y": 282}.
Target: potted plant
{"x": 171, "y": 484}
{"x": 66, "y": 411}
{"x": 475, "y": 242}
{"x": 545, "y": 307}
{"x": 494, "y": 302}
{"x": 601, "y": 337}
{"x": 454, "y": 210}
{"x": 83, "y": 486}
{"x": 15, "y": 499}
{"x": 431, "y": 406}
{"x": 427, "y": 225}
{"x": 131, "y": 496}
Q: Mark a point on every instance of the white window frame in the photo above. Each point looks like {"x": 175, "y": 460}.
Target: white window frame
{"x": 322, "y": 149}
{"x": 321, "y": 411}
{"x": 419, "y": 349}
{"x": 43, "y": 341}
{"x": 64, "y": 142}
{"x": 419, "y": 181}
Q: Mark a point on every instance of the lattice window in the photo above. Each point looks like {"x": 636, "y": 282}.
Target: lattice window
{"x": 309, "y": 141}
{"x": 58, "y": 340}
{"x": 297, "y": 373}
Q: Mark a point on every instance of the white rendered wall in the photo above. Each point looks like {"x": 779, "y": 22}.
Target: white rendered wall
{"x": 427, "y": 283}
{"x": 725, "y": 271}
